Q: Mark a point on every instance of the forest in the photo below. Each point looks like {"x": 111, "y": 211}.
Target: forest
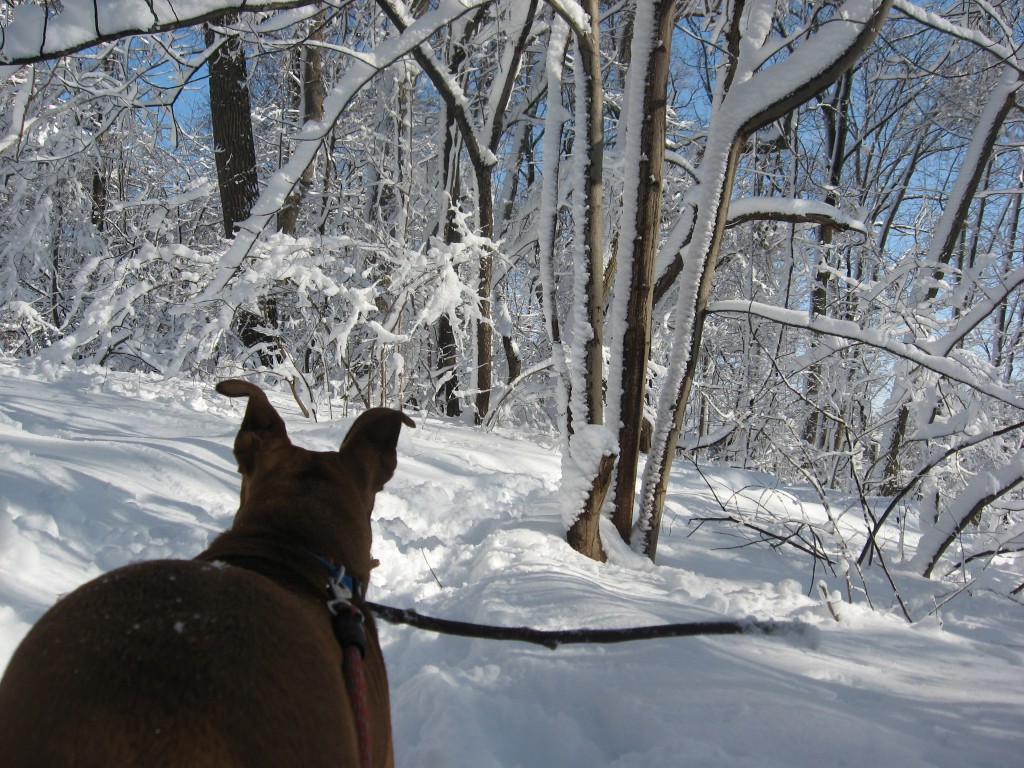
{"x": 777, "y": 235}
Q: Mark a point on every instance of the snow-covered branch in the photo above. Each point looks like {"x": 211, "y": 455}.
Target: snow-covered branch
{"x": 1003, "y": 53}
{"x": 35, "y": 34}
{"x": 792, "y": 210}
{"x": 982, "y": 490}
{"x": 852, "y": 333}
{"x": 941, "y": 347}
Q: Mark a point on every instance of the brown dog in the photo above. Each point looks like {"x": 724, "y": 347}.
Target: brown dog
{"x": 229, "y": 659}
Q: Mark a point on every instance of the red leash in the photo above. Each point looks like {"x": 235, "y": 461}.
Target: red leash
{"x": 355, "y": 683}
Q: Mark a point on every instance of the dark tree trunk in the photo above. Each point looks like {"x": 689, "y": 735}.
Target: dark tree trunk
{"x": 447, "y": 359}
{"x": 235, "y": 155}
{"x": 231, "y": 113}
{"x": 99, "y": 199}
{"x": 484, "y": 326}
{"x": 836, "y": 113}
{"x": 446, "y": 362}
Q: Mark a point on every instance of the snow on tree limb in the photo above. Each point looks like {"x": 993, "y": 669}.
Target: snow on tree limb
{"x": 574, "y": 15}
{"x": 447, "y": 86}
{"x": 982, "y": 490}
{"x": 764, "y": 95}
{"x": 34, "y": 36}
{"x": 1001, "y": 52}
{"x": 792, "y": 210}
{"x": 972, "y": 319}
{"x": 983, "y": 141}
{"x": 917, "y": 352}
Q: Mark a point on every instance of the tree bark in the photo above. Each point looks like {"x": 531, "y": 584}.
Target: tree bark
{"x": 584, "y": 535}
{"x": 235, "y": 155}
{"x": 447, "y": 361}
{"x": 484, "y": 326}
{"x": 231, "y": 113}
{"x": 447, "y": 344}
{"x": 636, "y": 343}
{"x": 587, "y": 402}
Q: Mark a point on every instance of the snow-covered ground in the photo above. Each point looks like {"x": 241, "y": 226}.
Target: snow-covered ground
{"x": 97, "y": 470}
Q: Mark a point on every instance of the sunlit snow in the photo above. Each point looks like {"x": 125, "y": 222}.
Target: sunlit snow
{"x": 101, "y": 469}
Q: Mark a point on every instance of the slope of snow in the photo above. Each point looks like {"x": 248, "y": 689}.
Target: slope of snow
{"x": 99, "y": 469}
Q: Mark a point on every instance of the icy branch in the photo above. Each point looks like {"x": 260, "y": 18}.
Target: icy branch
{"x": 35, "y": 36}
{"x": 933, "y": 20}
{"x": 791, "y": 210}
{"x": 854, "y": 334}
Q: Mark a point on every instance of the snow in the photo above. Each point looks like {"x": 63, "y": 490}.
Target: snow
{"x": 791, "y": 208}
{"x": 928, "y": 18}
{"x": 573, "y": 13}
{"x": 100, "y": 469}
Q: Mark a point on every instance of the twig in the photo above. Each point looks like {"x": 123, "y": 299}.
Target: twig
{"x": 422, "y": 552}
{"x": 823, "y": 588}
{"x": 554, "y": 638}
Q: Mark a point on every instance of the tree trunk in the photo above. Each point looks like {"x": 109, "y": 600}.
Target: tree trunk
{"x": 484, "y": 326}
{"x": 584, "y": 535}
{"x": 656, "y": 482}
{"x": 636, "y": 342}
{"x": 555, "y": 116}
{"x": 231, "y": 113}
{"x": 447, "y": 346}
{"x": 836, "y": 114}
{"x": 100, "y": 195}
{"x": 235, "y": 154}
{"x": 587, "y": 402}
{"x": 310, "y": 106}
{"x": 446, "y": 364}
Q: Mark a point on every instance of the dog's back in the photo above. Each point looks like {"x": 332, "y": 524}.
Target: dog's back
{"x": 230, "y": 659}
{"x": 177, "y": 663}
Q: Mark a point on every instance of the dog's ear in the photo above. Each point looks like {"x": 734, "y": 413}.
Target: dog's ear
{"x": 373, "y": 439}
{"x": 261, "y": 425}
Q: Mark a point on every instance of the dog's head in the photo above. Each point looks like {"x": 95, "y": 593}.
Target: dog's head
{"x": 323, "y": 498}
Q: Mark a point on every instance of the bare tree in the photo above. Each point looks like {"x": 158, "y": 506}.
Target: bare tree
{"x": 744, "y": 102}
{"x": 589, "y": 469}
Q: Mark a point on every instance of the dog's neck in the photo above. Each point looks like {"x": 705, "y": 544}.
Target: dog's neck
{"x": 288, "y": 562}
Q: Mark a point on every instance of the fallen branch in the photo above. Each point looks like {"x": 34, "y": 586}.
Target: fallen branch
{"x": 554, "y": 638}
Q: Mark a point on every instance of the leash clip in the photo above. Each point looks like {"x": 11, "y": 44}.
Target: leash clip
{"x": 342, "y": 586}
{"x": 341, "y": 591}
{"x": 346, "y": 618}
